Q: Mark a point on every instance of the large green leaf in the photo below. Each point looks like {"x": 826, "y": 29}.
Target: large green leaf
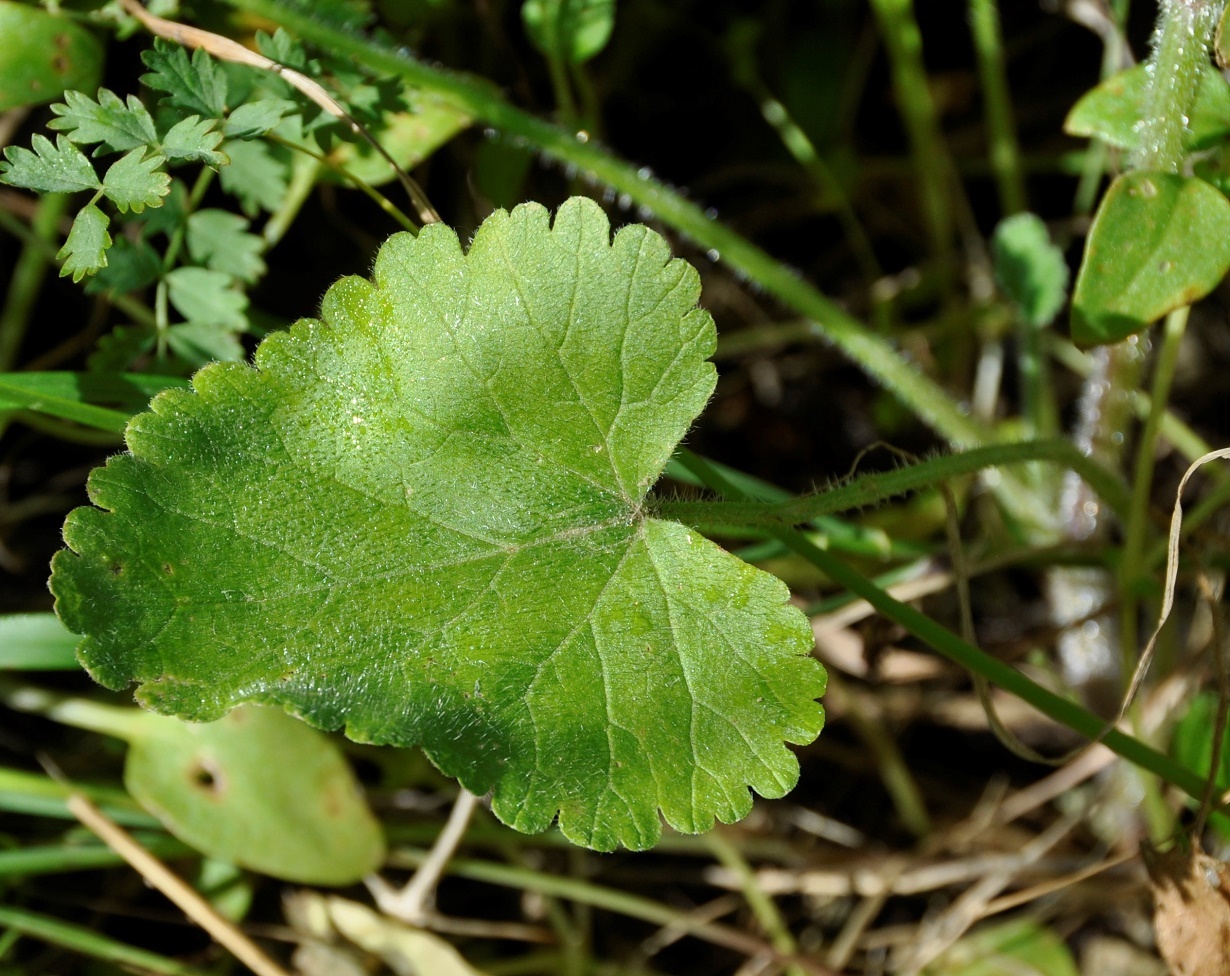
{"x": 1159, "y": 241}
{"x": 425, "y": 519}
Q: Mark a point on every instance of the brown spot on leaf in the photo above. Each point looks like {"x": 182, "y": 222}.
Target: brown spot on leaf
{"x": 207, "y": 777}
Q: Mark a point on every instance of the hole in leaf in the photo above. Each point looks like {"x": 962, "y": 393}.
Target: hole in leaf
{"x": 205, "y": 776}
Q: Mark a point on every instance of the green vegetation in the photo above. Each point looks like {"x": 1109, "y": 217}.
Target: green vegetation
{"x": 444, "y": 514}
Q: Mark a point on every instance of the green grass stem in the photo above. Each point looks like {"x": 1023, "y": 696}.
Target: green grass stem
{"x": 1005, "y": 151}
{"x": 768, "y": 918}
{"x": 912, "y": 88}
{"x": 805, "y": 154}
{"x": 39, "y": 795}
{"x": 27, "y": 279}
{"x": 1133, "y": 570}
{"x": 30, "y": 861}
{"x": 89, "y": 943}
{"x": 608, "y": 899}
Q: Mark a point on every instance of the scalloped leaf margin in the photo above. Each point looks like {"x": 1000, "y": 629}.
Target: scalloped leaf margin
{"x": 423, "y": 519}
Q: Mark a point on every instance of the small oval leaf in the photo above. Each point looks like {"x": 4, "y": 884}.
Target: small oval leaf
{"x": 44, "y": 54}
{"x": 259, "y": 789}
{"x": 1029, "y": 268}
{"x": 570, "y": 30}
{"x": 1159, "y": 241}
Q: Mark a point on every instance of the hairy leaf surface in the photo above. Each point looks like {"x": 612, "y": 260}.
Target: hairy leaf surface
{"x": 197, "y": 85}
{"x": 51, "y": 168}
{"x": 117, "y": 125}
{"x": 85, "y": 249}
{"x": 136, "y": 181}
{"x": 424, "y": 519}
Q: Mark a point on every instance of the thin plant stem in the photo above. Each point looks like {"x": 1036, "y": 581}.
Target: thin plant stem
{"x": 1131, "y": 565}
{"x": 88, "y": 942}
{"x": 37, "y": 859}
{"x": 900, "y": 784}
{"x": 411, "y": 903}
{"x": 1038, "y": 408}
{"x": 199, "y": 188}
{"x": 556, "y": 64}
{"x": 303, "y": 182}
{"x": 763, "y": 907}
{"x": 609, "y": 899}
{"x": 874, "y": 488}
{"x": 805, "y": 154}
{"x": 27, "y": 279}
{"x": 590, "y": 111}
{"x": 903, "y": 39}
{"x": 1005, "y": 151}
{"x": 39, "y": 795}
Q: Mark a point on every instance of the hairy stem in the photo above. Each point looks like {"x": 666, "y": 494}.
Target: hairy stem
{"x": 1180, "y": 51}
{"x": 873, "y": 489}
